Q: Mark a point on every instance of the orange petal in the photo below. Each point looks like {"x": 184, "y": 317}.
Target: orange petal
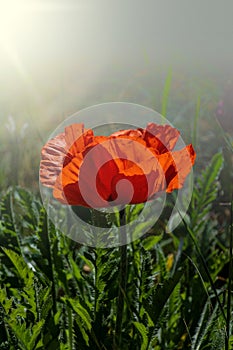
{"x": 77, "y": 138}
{"x": 60, "y": 150}
{"x": 90, "y": 176}
{"x": 134, "y": 133}
{"x": 176, "y": 166}
{"x": 52, "y": 158}
{"x": 66, "y": 189}
{"x": 161, "y": 138}
{"x": 58, "y": 192}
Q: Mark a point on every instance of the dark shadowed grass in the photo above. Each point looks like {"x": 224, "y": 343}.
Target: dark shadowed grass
{"x": 229, "y": 289}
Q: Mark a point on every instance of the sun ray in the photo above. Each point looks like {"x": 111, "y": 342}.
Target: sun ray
{"x": 19, "y": 24}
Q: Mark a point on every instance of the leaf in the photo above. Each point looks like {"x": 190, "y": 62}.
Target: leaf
{"x": 206, "y": 191}
{"x": 34, "y": 333}
{"x": 201, "y": 327}
{"x": 144, "y": 334}
{"x": 27, "y": 276}
{"x": 81, "y": 311}
{"x": 45, "y": 302}
{"x": 82, "y": 318}
{"x": 151, "y": 241}
{"x": 27, "y": 336}
{"x": 161, "y": 295}
{"x": 75, "y": 269}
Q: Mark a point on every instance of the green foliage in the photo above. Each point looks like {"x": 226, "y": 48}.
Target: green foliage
{"x": 57, "y": 294}
{"x": 205, "y": 192}
{"x": 20, "y": 310}
{"x": 144, "y": 334}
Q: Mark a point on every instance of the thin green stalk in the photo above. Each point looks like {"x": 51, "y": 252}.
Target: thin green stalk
{"x": 228, "y": 140}
{"x": 13, "y": 217}
{"x": 95, "y": 282}
{"x": 70, "y": 329}
{"x": 166, "y": 91}
{"x": 51, "y": 265}
{"x": 15, "y": 159}
{"x": 228, "y": 322}
{"x": 205, "y": 268}
{"x": 195, "y": 123}
{"x": 122, "y": 286}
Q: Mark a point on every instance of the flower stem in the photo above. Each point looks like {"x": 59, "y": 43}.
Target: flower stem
{"x": 70, "y": 327}
{"x": 122, "y": 285}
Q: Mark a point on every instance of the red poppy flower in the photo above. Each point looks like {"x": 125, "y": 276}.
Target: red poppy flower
{"x": 127, "y": 167}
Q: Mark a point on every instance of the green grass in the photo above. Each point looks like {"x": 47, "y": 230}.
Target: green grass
{"x": 48, "y": 300}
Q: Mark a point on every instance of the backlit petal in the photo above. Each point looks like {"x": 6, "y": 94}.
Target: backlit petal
{"x": 161, "y": 138}
{"x": 52, "y": 157}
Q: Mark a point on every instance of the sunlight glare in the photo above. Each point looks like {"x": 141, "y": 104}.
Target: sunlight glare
{"x": 14, "y": 17}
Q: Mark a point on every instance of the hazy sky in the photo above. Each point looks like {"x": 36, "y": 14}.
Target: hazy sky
{"x": 51, "y": 48}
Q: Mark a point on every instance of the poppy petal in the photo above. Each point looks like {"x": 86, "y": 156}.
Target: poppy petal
{"x": 129, "y": 166}
{"x": 52, "y": 157}
{"x": 161, "y": 138}
{"x": 91, "y": 174}
{"x": 77, "y": 138}
{"x": 176, "y": 166}
{"x": 135, "y": 133}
